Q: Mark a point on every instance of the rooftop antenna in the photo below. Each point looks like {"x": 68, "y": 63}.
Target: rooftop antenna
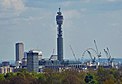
{"x": 59, "y": 9}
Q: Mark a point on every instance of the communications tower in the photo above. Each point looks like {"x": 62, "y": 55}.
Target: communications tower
{"x": 59, "y": 20}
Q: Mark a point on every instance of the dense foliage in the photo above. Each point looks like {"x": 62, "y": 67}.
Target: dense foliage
{"x": 100, "y": 76}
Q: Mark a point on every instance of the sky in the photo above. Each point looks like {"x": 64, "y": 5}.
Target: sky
{"x": 33, "y": 23}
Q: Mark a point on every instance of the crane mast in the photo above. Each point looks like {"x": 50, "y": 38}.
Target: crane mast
{"x": 73, "y": 52}
{"x": 93, "y": 59}
{"x": 110, "y": 59}
{"x": 96, "y": 46}
{"x": 52, "y": 54}
{"x": 107, "y": 55}
{"x": 98, "y": 54}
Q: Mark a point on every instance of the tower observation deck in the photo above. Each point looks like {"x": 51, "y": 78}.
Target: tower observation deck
{"x": 59, "y": 20}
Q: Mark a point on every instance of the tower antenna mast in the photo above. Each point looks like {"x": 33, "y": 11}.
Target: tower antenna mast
{"x": 59, "y": 20}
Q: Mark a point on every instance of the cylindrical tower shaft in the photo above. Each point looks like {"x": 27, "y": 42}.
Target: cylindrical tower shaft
{"x": 59, "y": 20}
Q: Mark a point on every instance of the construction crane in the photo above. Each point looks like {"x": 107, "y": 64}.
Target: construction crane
{"x": 88, "y": 51}
{"x": 52, "y": 54}
{"x": 73, "y": 53}
{"x": 93, "y": 59}
{"x": 107, "y": 55}
{"x": 110, "y": 59}
{"x": 98, "y": 54}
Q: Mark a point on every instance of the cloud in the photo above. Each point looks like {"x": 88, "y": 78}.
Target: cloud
{"x": 10, "y": 9}
{"x": 112, "y": 0}
{"x": 17, "y": 5}
{"x": 6, "y": 3}
{"x": 72, "y": 14}
{"x": 115, "y": 24}
{"x": 99, "y": 1}
{"x": 89, "y": 1}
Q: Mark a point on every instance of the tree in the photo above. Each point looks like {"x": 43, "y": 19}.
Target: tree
{"x": 109, "y": 81}
{"x": 18, "y": 80}
{"x": 41, "y": 78}
{"x": 89, "y": 79}
{"x": 9, "y": 75}
{"x": 71, "y": 77}
{"x": 2, "y": 77}
{"x": 107, "y": 75}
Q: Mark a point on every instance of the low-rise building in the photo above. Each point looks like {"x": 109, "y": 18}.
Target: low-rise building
{"x": 6, "y": 69}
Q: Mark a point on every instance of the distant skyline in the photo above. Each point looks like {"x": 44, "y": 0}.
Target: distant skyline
{"x": 33, "y": 23}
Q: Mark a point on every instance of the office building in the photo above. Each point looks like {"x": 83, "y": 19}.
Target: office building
{"x": 19, "y": 51}
{"x": 24, "y": 62}
{"x": 33, "y": 58}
